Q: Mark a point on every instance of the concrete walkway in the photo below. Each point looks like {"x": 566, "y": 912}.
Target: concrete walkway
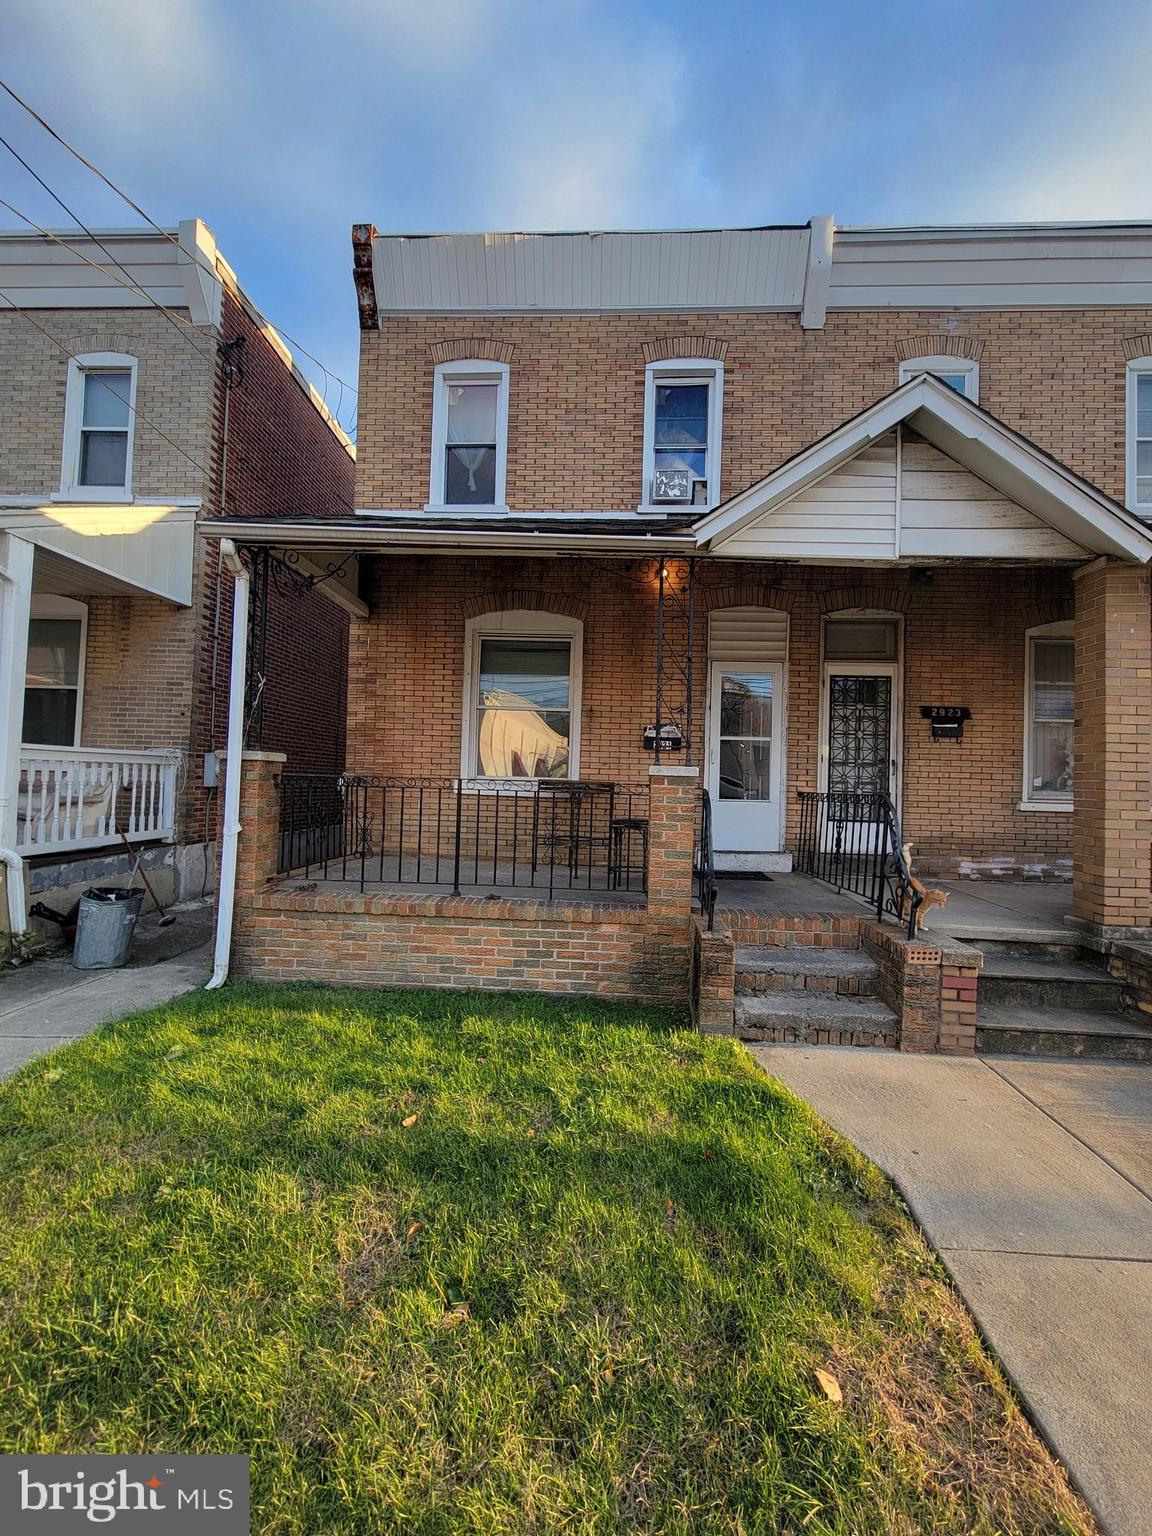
{"x": 1033, "y": 1181}
{"x": 48, "y": 1003}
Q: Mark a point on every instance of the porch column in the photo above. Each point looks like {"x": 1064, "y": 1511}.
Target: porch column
{"x": 1111, "y": 825}
{"x": 258, "y": 851}
{"x": 16, "y": 557}
{"x": 674, "y": 803}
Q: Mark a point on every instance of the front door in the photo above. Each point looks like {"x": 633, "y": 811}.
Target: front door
{"x": 744, "y": 756}
{"x": 860, "y": 746}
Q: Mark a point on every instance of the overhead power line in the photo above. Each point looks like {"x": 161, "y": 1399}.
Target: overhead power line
{"x": 164, "y": 233}
{"x": 183, "y": 326}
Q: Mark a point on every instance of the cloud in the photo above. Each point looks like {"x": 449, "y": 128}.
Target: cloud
{"x": 587, "y": 146}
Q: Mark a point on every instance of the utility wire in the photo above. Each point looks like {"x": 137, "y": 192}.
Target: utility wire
{"x": 166, "y": 234}
{"x": 56, "y": 342}
{"x": 98, "y": 266}
{"x": 167, "y": 313}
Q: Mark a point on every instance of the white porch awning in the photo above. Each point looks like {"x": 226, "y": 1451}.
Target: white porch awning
{"x": 138, "y": 549}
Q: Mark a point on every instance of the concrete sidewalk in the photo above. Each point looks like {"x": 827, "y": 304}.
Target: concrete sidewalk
{"x": 48, "y": 1003}
{"x": 1033, "y": 1181}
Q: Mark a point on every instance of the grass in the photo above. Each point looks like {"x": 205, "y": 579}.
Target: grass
{"x": 449, "y": 1263}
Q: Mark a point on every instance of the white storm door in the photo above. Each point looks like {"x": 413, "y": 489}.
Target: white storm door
{"x": 744, "y": 755}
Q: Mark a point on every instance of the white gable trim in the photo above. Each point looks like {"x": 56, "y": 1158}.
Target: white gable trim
{"x": 977, "y": 441}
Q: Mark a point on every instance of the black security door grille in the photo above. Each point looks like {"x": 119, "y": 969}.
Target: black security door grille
{"x": 859, "y": 735}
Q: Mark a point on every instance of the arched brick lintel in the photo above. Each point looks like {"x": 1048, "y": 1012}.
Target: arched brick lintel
{"x": 530, "y": 599}
{"x": 883, "y": 599}
{"x": 665, "y": 347}
{"x": 464, "y": 348}
{"x": 946, "y": 345}
{"x": 749, "y": 594}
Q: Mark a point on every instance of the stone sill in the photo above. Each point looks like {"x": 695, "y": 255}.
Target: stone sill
{"x": 323, "y": 904}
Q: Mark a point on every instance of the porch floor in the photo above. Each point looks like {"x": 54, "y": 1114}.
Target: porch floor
{"x": 977, "y": 909}
{"x": 503, "y": 888}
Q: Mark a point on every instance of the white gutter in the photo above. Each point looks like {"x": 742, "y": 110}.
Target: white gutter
{"x": 233, "y": 773}
{"x": 17, "y": 912}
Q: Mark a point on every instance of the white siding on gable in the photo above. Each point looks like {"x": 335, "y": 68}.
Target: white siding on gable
{"x": 849, "y": 515}
{"x": 947, "y": 510}
{"x": 880, "y": 505}
{"x": 748, "y": 634}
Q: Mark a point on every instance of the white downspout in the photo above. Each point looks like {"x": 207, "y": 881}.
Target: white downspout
{"x": 230, "y": 829}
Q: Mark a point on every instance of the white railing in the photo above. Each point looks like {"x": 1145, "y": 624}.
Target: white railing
{"x": 84, "y": 797}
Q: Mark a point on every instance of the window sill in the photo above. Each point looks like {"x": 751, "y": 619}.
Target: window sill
{"x": 103, "y": 495}
{"x": 1062, "y": 806}
{"x": 661, "y": 509}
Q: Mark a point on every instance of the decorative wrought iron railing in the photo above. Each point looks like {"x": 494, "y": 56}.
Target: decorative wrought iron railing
{"x": 853, "y": 842}
{"x": 552, "y": 836}
{"x": 706, "y": 863}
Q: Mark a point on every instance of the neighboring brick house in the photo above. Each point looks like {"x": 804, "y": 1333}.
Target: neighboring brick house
{"x": 141, "y": 391}
{"x": 853, "y": 520}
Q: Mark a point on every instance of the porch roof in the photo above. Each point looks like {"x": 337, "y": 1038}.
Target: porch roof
{"x": 1081, "y": 514}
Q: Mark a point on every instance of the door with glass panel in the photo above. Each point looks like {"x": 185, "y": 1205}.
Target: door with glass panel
{"x": 745, "y": 703}
{"x": 860, "y": 737}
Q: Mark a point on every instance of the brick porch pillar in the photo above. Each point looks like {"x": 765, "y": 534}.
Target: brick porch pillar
{"x": 258, "y": 852}
{"x": 674, "y": 805}
{"x": 1111, "y": 826}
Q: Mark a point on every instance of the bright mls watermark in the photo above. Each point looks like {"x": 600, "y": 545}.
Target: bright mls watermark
{"x": 150, "y": 1495}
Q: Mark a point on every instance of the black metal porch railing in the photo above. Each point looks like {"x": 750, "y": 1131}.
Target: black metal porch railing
{"x": 706, "y": 863}
{"x": 853, "y": 842}
{"x": 549, "y": 836}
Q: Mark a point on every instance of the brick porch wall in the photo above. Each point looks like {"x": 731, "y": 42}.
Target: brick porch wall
{"x": 964, "y": 643}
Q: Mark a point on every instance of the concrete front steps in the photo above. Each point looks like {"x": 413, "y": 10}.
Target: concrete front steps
{"x": 801, "y": 994}
{"x": 1054, "y": 1000}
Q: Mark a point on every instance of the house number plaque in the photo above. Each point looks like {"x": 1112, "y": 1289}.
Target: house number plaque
{"x": 947, "y": 720}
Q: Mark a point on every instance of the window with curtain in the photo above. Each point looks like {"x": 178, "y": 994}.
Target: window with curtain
{"x": 52, "y": 682}
{"x": 523, "y": 708}
{"x": 1051, "y": 712}
{"x": 470, "y": 446}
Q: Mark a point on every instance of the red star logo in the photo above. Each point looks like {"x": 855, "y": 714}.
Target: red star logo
{"x": 154, "y": 1482}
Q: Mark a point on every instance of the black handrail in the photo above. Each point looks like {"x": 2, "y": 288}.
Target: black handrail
{"x": 853, "y": 842}
{"x": 706, "y": 873}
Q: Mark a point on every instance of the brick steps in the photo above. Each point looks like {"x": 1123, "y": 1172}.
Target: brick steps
{"x": 814, "y": 1018}
{"x": 802, "y": 994}
{"x": 799, "y": 967}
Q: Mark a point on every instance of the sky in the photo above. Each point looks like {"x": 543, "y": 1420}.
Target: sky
{"x": 281, "y": 123}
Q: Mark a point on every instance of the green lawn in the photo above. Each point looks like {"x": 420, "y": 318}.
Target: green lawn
{"x": 471, "y": 1263}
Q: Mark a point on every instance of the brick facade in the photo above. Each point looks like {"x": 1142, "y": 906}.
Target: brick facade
{"x": 576, "y": 397}
{"x": 964, "y": 642}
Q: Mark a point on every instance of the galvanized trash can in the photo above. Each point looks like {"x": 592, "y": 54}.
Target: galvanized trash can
{"x": 104, "y": 929}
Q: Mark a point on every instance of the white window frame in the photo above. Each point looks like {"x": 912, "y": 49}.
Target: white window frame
{"x": 466, "y": 371}
{"x": 518, "y": 624}
{"x": 940, "y": 363}
{"x": 78, "y": 368}
{"x": 1065, "y": 629}
{"x": 683, "y": 370}
{"x": 45, "y": 606}
{"x": 1139, "y": 367}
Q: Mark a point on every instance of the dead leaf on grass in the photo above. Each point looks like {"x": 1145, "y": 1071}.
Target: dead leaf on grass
{"x": 409, "y": 1121}
{"x": 455, "y": 1315}
{"x": 828, "y": 1385}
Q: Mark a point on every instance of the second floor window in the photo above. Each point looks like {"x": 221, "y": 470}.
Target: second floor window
{"x": 959, "y": 373}
{"x": 682, "y": 406}
{"x": 98, "y": 419}
{"x": 1139, "y": 475}
{"x": 469, "y": 435}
